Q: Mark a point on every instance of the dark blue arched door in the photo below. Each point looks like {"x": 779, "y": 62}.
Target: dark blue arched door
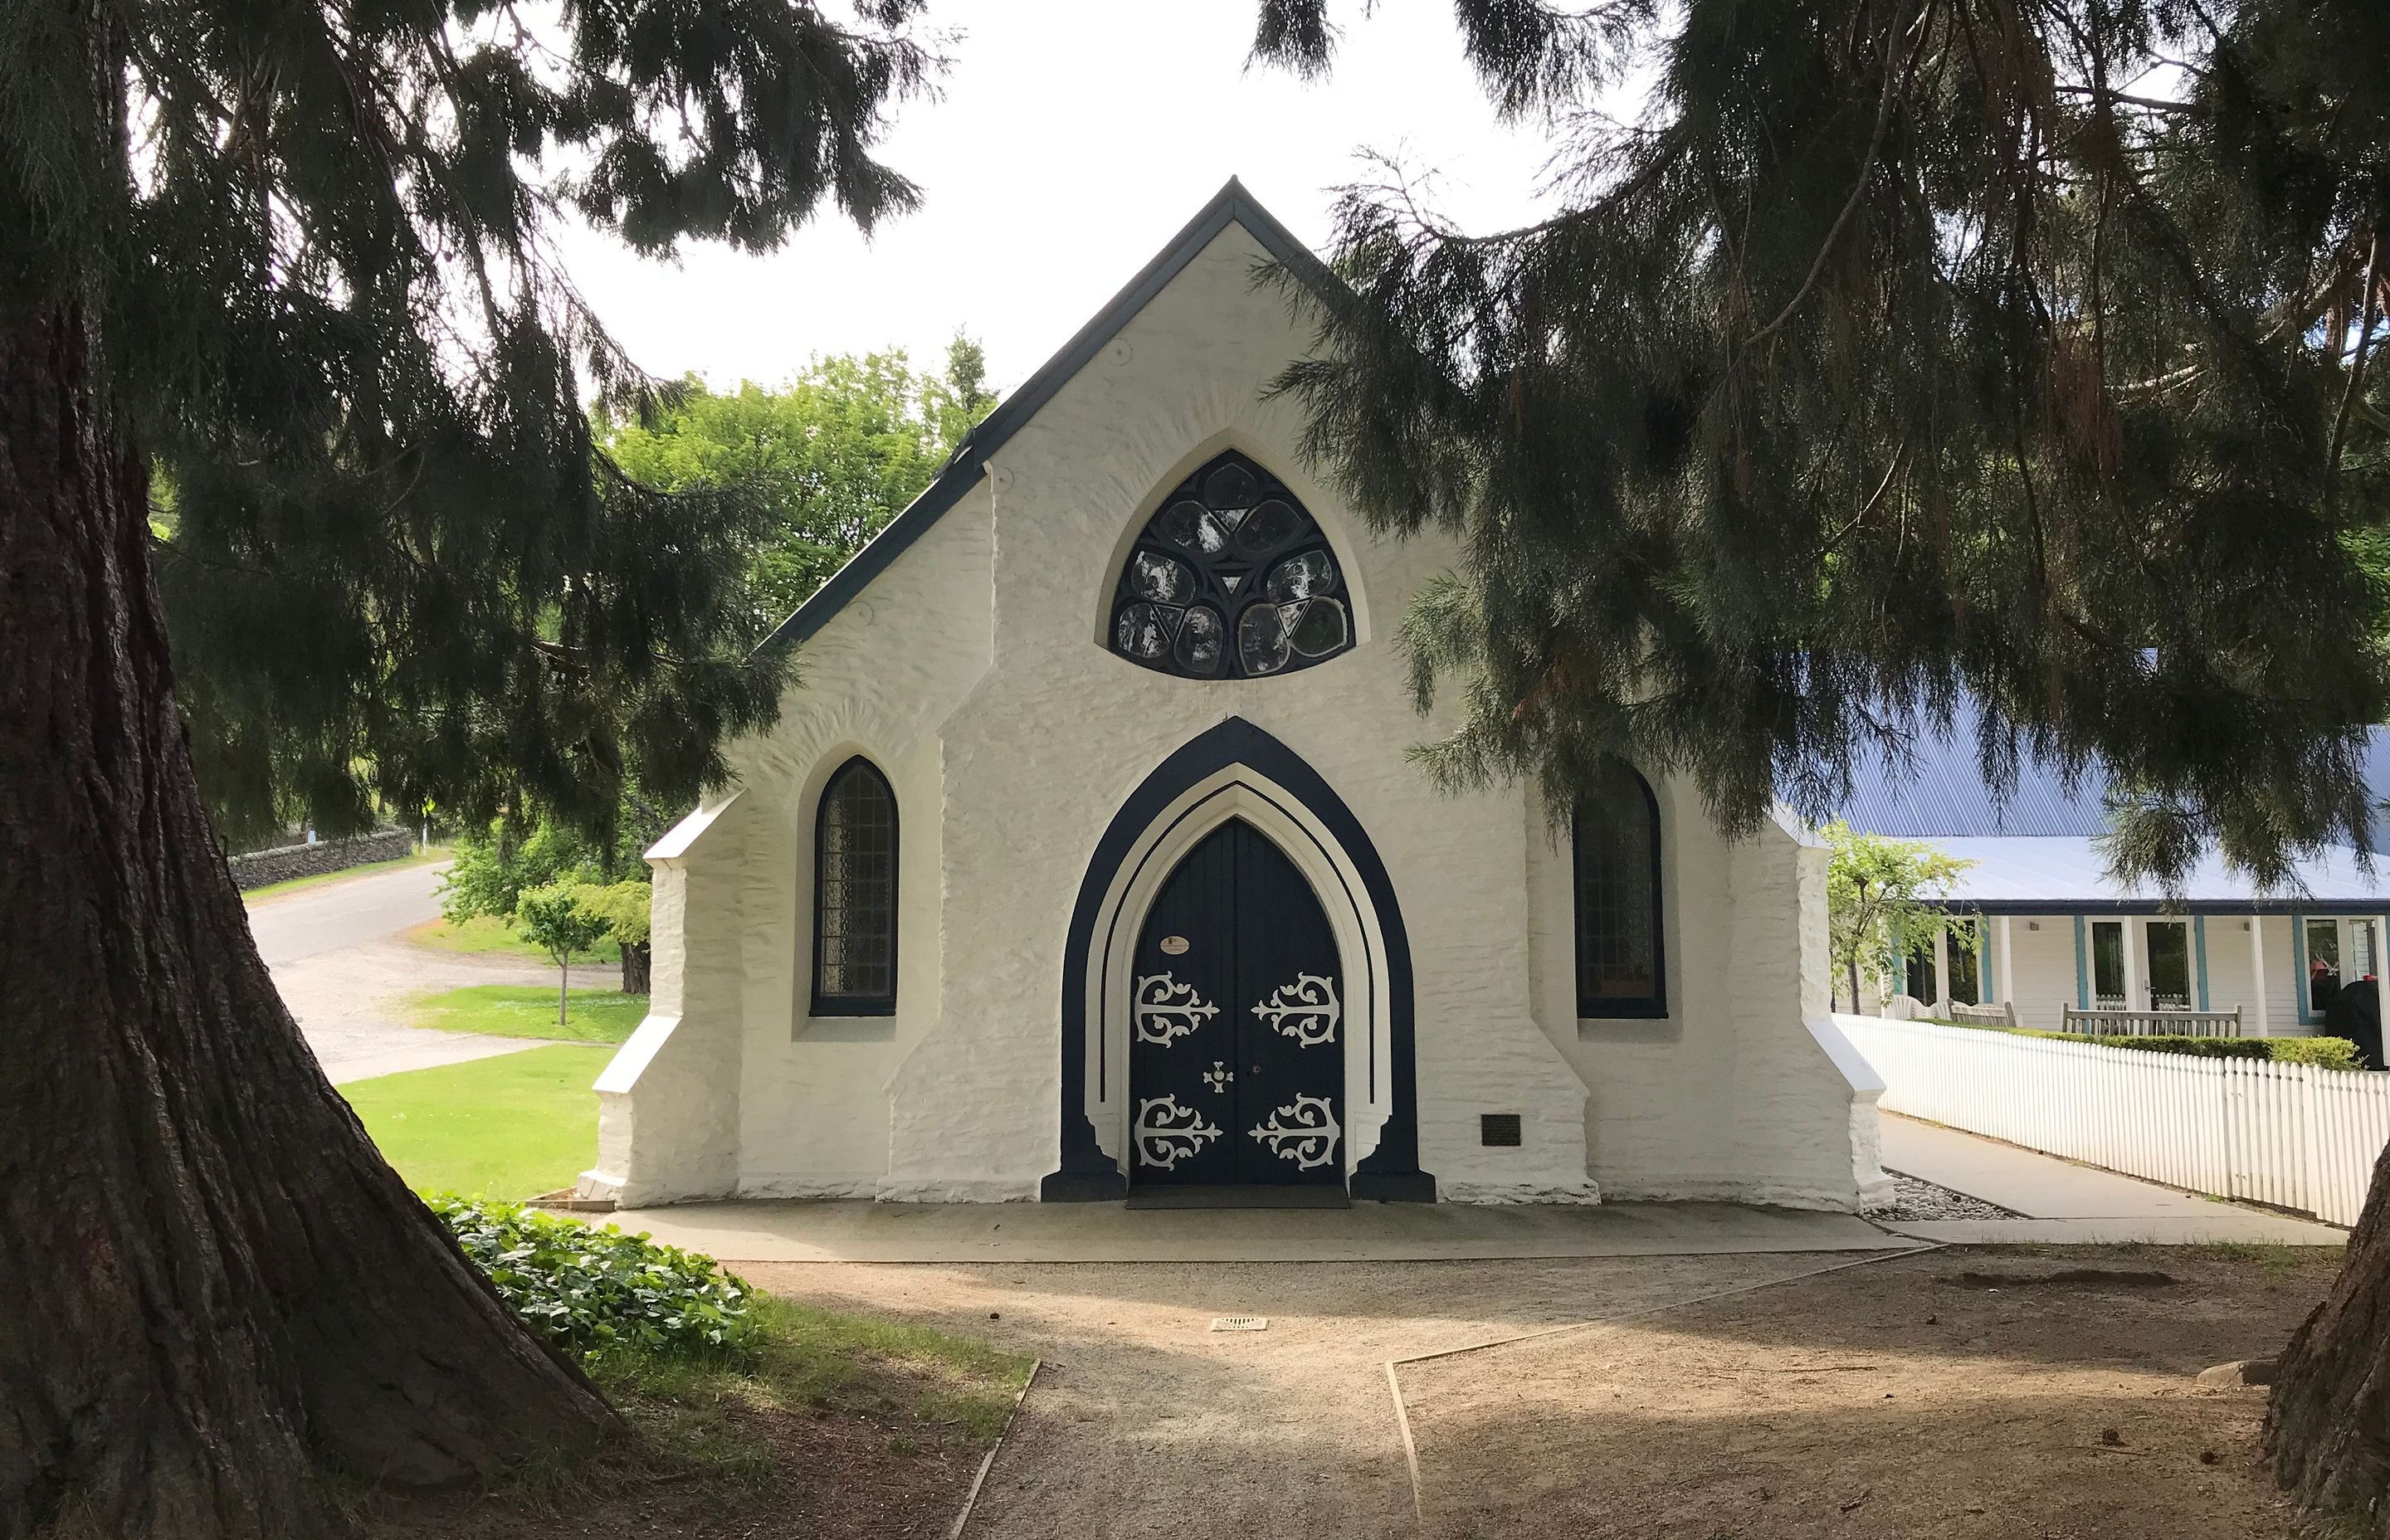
{"x": 1237, "y": 1024}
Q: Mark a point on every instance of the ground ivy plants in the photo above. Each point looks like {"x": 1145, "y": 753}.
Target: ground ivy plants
{"x": 599, "y": 1292}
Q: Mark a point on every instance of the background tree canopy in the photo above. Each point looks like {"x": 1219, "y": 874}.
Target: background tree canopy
{"x": 830, "y": 458}
{"x": 1892, "y": 353}
{"x": 825, "y": 461}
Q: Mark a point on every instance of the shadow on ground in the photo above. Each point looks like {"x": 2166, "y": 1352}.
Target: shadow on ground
{"x": 1892, "y": 1400}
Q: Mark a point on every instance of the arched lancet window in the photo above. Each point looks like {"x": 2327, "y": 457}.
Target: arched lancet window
{"x": 855, "y": 894}
{"x": 1231, "y": 579}
{"x": 1621, "y": 963}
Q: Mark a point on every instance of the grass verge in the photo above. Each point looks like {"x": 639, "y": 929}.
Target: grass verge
{"x": 511, "y": 1126}
{"x": 922, "y": 1385}
{"x": 292, "y": 885}
{"x": 794, "y": 1420}
{"x": 529, "y": 1010}
{"x": 490, "y": 935}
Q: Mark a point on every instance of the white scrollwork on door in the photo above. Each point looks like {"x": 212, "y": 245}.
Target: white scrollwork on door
{"x": 1304, "y": 1131}
{"x": 1306, "y": 1010}
{"x": 1167, "y": 1011}
{"x": 1165, "y": 1131}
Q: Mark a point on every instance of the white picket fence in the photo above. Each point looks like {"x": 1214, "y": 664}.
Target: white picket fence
{"x": 2288, "y": 1135}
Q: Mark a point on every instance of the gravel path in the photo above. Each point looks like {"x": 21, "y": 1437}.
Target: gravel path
{"x": 1915, "y": 1199}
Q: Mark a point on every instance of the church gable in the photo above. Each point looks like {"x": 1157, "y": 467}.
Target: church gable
{"x": 969, "y": 463}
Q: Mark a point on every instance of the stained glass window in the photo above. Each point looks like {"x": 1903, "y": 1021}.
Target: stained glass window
{"x": 1231, "y": 579}
{"x": 1620, "y": 962}
{"x": 855, "y": 894}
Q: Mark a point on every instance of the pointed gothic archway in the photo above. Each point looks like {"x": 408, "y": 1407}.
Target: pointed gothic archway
{"x": 1236, "y": 771}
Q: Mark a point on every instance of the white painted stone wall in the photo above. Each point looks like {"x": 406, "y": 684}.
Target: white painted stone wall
{"x": 973, "y": 672}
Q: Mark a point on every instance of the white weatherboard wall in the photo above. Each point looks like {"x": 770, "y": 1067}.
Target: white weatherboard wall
{"x": 2042, "y": 974}
{"x": 973, "y": 672}
{"x": 2288, "y": 1135}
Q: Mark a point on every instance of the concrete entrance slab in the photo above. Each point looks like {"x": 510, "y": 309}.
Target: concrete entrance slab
{"x": 857, "y": 1230}
{"x": 2066, "y": 1203}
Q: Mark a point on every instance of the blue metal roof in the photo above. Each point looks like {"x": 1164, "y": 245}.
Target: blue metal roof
{"x": 1938, "y": 791}
{"x": 2037, "y": 851}
{"x": 2037, "y": 876}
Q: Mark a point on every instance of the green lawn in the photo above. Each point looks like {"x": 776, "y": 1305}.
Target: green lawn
{"x": 488, "y": 933}
{"x": 513, "y": 1126}
{"x": 529, "y": 1010}
{"x": 923, "y": 1386}
{"x": 276, "y": 890}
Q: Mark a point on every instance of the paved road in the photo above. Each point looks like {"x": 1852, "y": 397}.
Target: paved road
{"x": 349, "y": 912}
{"x": 345, "y": 969}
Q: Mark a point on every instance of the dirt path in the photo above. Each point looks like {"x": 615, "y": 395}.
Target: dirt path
{"x": 1901, "y": 1399}
{"x": 1146, "y": 1422}
{"x": 1949, "y": 1393}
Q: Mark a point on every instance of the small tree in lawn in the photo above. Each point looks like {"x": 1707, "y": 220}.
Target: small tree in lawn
{"x": 622, "y": 909}
{"x": 1876, "y": 893}
{"x": 552, "y": 917}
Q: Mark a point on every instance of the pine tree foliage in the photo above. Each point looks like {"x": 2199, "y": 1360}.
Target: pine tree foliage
{"x": 1895, "y": 353}
{"x": 317, "y": 243}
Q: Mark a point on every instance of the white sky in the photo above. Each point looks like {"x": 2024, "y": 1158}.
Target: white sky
{"x": 1073, "y": 138}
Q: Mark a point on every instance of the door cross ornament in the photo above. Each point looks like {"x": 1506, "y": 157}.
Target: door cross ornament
{"x": 1217, "y": 1077}
{"x": 1304, "y": 1131}
{"x": 1165, "y": 1131}
{"x": 1306, "y": 1010}
{"x": 1167, "y": 1009}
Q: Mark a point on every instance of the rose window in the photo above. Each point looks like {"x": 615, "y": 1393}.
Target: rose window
{"x": 1231, "y": 579}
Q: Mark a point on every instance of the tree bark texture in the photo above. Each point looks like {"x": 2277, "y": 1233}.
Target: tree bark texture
{"x": 636, "y": 968}
{"x": 211, "y": 1288}
{"x": 2328, "y": 1424}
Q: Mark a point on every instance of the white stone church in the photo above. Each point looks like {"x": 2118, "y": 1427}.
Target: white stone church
{"x": 1086, "y": 862}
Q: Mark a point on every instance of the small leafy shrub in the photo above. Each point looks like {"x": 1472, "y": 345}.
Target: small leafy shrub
{"x": 2324, "y": 1053}
{"x": 596, "y": 1294}
{"x": 2197, "y": 1047}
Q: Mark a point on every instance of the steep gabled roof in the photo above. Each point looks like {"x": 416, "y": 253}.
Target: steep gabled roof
{"x": 1231, "y": 205}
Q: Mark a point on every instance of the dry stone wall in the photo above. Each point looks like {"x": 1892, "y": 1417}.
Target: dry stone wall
{"x": 261, "y": 867}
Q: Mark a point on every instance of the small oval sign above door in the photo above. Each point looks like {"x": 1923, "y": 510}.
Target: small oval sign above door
{"x": 1174, "y": 945}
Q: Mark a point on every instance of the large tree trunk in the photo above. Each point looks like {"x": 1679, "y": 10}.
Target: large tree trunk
{"x": 2328, "y": 1427}
{"x": 211, "y": 1288}
{"x": 637, "y": 968}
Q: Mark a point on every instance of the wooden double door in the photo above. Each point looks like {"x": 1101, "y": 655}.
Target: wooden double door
{"x": 1237, "y": 1025}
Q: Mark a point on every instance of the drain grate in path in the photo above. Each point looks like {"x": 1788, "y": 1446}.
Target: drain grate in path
{"x": 1241, "y": 1323}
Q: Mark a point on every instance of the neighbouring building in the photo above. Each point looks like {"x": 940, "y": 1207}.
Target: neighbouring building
{"x": 2046, "y": 931}
{"x": 1085, "y": 861}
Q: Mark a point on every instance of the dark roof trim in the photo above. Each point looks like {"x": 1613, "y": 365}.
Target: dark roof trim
{"x": 1231, "y": 205}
